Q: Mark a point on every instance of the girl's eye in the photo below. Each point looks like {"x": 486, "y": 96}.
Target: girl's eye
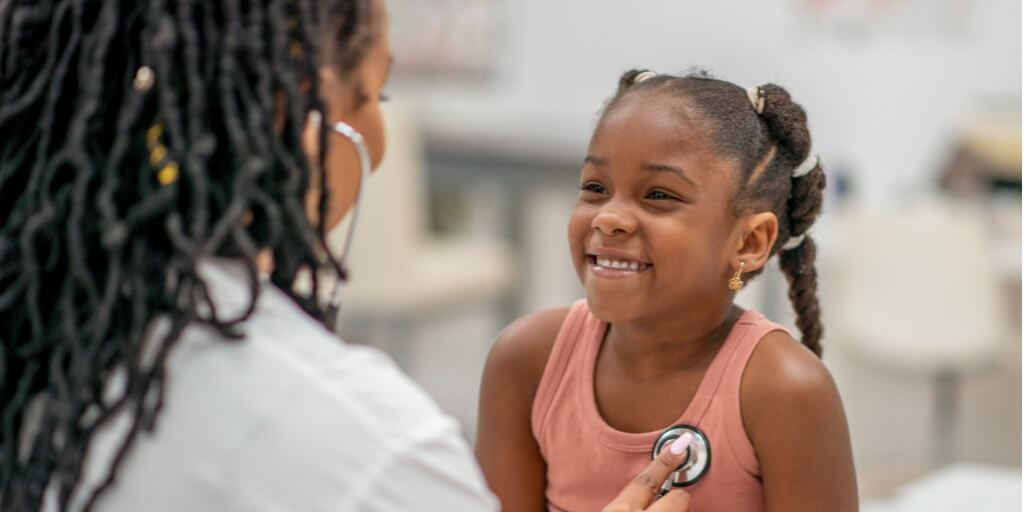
{"x": 659, "y": 195}
{"x": 592, "y": 186}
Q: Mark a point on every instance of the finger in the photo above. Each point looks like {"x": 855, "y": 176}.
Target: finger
{"x": 642, "y": 490}
{"x": 677, "y": 500}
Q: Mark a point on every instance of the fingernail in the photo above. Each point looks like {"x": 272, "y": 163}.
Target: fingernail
{"x": 679, "y": 445}
{"x": 315, "y": 117}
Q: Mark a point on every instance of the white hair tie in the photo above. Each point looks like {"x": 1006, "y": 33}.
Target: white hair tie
{"x": 645, "y": 75}
{"x": 806, "y": 166}
{"x": 756, "y": 97}
{"x": 793, "y": 242}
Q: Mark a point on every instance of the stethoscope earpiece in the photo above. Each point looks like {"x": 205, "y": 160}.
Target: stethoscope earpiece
{"x": 698, "y": 458}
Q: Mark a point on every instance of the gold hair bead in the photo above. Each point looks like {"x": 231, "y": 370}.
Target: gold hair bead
{"x": 157, "y": 155}
{"x": 153, "y": 134}
{"x": 169, "y": 171}
{"x": 295, "y": 48}
{"x": 169, "y": 174}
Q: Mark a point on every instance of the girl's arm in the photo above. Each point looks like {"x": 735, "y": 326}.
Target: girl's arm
{"x": 795, "y": 420}
{"x": 505, "y": 446}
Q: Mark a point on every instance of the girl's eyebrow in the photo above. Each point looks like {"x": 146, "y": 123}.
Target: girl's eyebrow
{"x": 670, "y": 169}
{"x": 600, "y": 161}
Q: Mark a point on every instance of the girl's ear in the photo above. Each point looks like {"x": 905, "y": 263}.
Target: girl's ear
{"x": 757, "y": 235}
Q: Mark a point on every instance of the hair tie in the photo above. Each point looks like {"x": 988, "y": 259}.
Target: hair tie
{"x": 806, "y": 166}
{"x": 793, "y": 242}
{"x": 756, "y": 96}
{"x": 644, "y": 75}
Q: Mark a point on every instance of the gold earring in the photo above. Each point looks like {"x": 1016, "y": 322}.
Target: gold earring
{"x": 736, "y": 283}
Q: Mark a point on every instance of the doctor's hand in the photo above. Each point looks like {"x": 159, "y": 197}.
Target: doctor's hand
{"x": 641, "y": 494}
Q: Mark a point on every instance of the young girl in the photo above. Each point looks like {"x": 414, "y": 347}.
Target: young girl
{"x": 690, "y": 185}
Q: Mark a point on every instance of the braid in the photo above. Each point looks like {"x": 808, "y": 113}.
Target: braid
{"x": 99, "y": 259}
{"x": 798, "y": 266}
{"x": 787, "y": 124}
{"x": 768, "y": 147}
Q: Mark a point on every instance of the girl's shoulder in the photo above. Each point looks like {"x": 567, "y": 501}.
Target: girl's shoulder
{"x": 788, "y": 398}
{"x": 781, "y": 368}
{"x": 521, "y": 350}
{"x": 793, "y": 417}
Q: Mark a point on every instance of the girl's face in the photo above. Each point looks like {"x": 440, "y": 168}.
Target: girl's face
{"x": 650, "y": 234}
{"x": 354, "y": 99}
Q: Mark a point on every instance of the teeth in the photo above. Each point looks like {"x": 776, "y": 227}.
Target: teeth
{"x": 619, "y": 264}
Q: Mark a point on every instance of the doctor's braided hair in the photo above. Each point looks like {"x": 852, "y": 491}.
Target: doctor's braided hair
{"x": 115, "y": 182}
{"x": 767, "y": 148}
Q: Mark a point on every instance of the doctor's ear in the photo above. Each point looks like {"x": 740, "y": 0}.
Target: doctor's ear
{"x": 755, "y": 237}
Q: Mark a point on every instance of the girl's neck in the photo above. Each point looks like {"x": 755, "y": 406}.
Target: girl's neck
{"x": 648, "y": 350}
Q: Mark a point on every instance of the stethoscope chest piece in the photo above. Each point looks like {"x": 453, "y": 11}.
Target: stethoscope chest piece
{"x": 697, "y": 461}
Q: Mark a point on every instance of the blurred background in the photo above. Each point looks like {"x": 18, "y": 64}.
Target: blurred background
{"x": 915, "y": 109}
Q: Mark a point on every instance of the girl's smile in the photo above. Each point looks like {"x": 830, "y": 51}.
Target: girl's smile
{"x": 609, "y": 263}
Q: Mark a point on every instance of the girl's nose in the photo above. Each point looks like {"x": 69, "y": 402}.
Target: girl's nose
{"x": 614, "y": 221}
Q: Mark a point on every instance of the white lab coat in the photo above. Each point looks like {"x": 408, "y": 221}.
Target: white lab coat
{"x": 291, "y": 418}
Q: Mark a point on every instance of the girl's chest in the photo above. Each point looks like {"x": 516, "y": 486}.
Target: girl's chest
{"x": 633, "y": 405}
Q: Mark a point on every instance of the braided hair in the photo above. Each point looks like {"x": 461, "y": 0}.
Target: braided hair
{"x": 136, "y": 138}
{"x": 768, "y": 146}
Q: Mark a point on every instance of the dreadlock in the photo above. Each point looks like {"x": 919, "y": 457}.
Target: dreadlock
{"x": 115, "y": 184}
{"x": 767, "y": 147}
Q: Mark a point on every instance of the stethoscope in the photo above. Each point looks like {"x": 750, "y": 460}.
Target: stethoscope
{"x": 357, "y": 141}
{"x": 696, "y": 463}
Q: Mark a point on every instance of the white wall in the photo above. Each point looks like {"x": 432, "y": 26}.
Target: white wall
{"x": 883, "y": 106}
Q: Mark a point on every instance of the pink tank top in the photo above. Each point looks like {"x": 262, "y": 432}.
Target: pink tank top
{"x": 589, "y": 462}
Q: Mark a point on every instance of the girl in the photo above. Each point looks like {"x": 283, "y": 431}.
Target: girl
{"x": 689, "y": 186}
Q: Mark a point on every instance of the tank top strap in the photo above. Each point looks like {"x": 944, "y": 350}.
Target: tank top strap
{"x": 718, "y": 399}
{"x": 757, "y": 328}
{"x": 580, "y": 330}
{"x": 723, "y": 376}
